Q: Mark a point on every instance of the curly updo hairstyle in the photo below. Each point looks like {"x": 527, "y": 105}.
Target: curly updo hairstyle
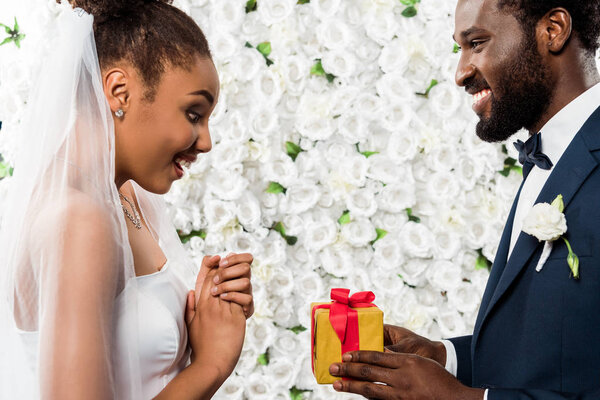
{"x": 151, "y": 35}
{"x": 585, "y": 15}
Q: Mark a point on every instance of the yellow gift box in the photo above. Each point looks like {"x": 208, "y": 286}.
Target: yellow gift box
{"x": 355, "y": 319}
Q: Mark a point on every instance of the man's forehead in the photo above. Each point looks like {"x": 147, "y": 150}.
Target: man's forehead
{"x": 475, "y": 14}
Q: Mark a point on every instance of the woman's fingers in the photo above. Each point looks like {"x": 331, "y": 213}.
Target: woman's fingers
{"x": 233, "y": 259}
{"x": 208, "y": 263}
{"x": 190, "y": 307}
{"x": 234, "y": 272}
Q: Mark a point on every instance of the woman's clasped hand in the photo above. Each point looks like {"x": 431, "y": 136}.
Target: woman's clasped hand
{"x": 217, "y": 310}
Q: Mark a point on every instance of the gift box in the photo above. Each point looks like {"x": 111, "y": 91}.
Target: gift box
{"x": 347, "y": 323}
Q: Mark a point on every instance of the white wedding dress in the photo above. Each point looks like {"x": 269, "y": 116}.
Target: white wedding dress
{"x": 159, "y": 323}
{"x": 162, "y": 343}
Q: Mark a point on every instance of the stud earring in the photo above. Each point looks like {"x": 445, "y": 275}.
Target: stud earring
{"x": 119, "y": 113}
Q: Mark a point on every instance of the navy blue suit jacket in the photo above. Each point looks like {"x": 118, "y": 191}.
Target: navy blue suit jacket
{"x": 537, "y": 334}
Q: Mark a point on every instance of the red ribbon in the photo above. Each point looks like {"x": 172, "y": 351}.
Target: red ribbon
{"x": 343, "y": 318}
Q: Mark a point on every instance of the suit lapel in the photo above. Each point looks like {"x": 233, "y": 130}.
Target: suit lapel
{"x": 566, "y": 178}
{"x": 499, "y": 263}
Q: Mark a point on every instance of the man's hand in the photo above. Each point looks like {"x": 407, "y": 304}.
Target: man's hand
{"x": 398, "y": 376}
{"x": 401, "y": 340}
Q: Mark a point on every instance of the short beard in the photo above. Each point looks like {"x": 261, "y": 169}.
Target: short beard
{"x": 524, "y": 91}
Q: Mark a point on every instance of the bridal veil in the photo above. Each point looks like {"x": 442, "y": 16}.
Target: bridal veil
{"x": 64, "y": 252}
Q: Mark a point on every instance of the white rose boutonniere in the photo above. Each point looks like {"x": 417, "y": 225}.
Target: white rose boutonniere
{"x": 548, "y": 223}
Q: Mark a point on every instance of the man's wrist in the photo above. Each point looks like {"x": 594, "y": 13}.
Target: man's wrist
{"x": 440, "y": 352}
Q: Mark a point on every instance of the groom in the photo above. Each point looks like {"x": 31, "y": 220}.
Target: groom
{"x": 527, "y": 63}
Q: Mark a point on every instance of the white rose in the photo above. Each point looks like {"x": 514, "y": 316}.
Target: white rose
{"x": 309, "y": 286}
{"x": 284, "y": 372}
{"x": 245, "y": 64}
{"x": 287, "y": 343}
{"x": 352, "y": 128}
{"x": 313, "y": 117}
{"x": 383, "y": 169}
{"x": 388, "y": 255}
{"x": 444, "y": 275}
{"x": 283, "y": 171}
{"x": 243, "y": 242}
{"x": 230, "y": 15}
{"x": 274, "y": 11}
{"x": 444, "y": 100}
{"x": 402, "y": 146}
{"x": 451, "y": 323}
{"x": 260, "y": 334}
{"x": 446, "y": 245}
{"x": 394, "y": 88}
{"x": 381, "y": 26}
{"x": 353, "y": 170}
{"x": 416, "y": 239}
{"x": 300, "y": 197}
{"x": 294, "y": 74}
{"x": 334, "y": 34}
{"x": 386, "y": 283}
{"x": 413, "y": 270}
{"x": 396, "y": 197}
{"x": 248, "y": 210}
{"x": 545, "y": 222}
{"x": 320, "y": 233}
{"x": 258, "y": 386}
{"x": 339, "y": 63}
{"x": 441, "y": 186}
{"x": 227, "y": 184}
{"x": 358, "y": 232}
{"x": 361, "y": 203}
{"x": 465, "y": 298}
{"x": 264, "y": 122}
{"x": 394, "y": 56}
{"x": 219, "y": 213}
{"x": 232, "y": 388}
{"x": 268, "y": 87}
{"x": 324, "y": 9}
{"x": 284, "y": 313}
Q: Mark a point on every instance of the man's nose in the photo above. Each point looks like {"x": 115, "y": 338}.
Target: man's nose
{"x": 464, "y": 71}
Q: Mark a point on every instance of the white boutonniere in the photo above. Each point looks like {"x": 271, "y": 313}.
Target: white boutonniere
{"x": 547, "y": 223}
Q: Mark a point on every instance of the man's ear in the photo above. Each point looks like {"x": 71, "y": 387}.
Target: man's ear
{"x": 116, "y": 89}
{"x": 555, "y": 29}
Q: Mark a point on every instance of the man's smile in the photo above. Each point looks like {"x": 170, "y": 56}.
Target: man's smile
{"x": 480, "y": 100}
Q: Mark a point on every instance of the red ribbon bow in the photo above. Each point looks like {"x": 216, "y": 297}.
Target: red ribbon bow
{"x": 343, "y": 317}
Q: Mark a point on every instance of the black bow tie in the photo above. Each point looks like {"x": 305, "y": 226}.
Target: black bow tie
{"x": 529, "y": 153}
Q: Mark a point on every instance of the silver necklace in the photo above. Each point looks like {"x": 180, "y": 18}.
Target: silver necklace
{"x": 135, "y": 218}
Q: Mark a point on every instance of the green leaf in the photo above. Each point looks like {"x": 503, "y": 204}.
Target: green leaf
{"x": 368, "y": 153}
{"x": 409, "y": 12}
{"x": 297, "y": 329}
{"x": 278, "y": 227}
{"x": 263, "y": 359}
{"x": 425, "y": 94}
{"x": 504, "y": 149}
{"x": 318, "y": 70}
{"x": 250, "y": 6}
{"x": 18, "y": 40}
{"x": 456, "y": 48}
{"x": 297, "y": 394}
{"x": 558, "y": 203}
{"x": 292, "y": 150}
{"x": 16, "y": 28}
{"x": 409, "y": 2}
{"x": 247, "y": 44}
{"x": 5, "y": 170}
{"x": 8, "y": 39}
{"x": 186, "y": 238}
{"x": 291, "y": 240}
{"x": 572, "y": 260}
{"x": 264, "y": 48}
{"x": 380, "y": 234}
{"x": 276, "y": 188}
{"x": 345, "y": 218}
{"x": 412, "y": 217}
{"x": 303, "y": 1}
{"x": 482, "y": 262}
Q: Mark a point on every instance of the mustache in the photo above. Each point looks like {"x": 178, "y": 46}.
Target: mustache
{"x": 473, "y": 85}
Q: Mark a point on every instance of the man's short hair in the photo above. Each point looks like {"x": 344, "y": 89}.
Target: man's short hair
{"x": 585, "y": 15}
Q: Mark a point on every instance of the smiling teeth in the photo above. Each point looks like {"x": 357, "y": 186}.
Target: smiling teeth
{"x": 477, "y": 97}
{"x": 184, "y": 163}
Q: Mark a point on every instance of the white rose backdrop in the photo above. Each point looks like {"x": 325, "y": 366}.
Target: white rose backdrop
{"x": 344, "y": 156}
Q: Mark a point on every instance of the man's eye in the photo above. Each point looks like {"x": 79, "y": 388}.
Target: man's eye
{"x": 476, "y": 43}
{"x": 193, "y": 117}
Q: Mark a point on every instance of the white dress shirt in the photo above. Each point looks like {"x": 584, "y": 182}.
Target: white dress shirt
{"x": 557, "y": 134}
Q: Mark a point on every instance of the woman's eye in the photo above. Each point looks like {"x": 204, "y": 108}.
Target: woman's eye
{"x": 193, "y": 117}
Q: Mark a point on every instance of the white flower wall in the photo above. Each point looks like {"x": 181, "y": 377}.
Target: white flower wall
{"x": 344, "y": 156}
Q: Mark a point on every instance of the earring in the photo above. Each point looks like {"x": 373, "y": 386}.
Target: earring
{"x": 119, "y": 113}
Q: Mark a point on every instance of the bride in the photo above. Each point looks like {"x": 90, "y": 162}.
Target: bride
{"x": 99, "y": 298}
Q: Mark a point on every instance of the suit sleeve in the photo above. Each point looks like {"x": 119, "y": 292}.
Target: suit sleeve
{"x": 540, "y": 394}
{"x": 462, "y": 345}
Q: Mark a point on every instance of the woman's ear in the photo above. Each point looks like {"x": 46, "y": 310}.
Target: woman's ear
{"x": 557, "y": 27}
{"x": 116, "y": 89}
